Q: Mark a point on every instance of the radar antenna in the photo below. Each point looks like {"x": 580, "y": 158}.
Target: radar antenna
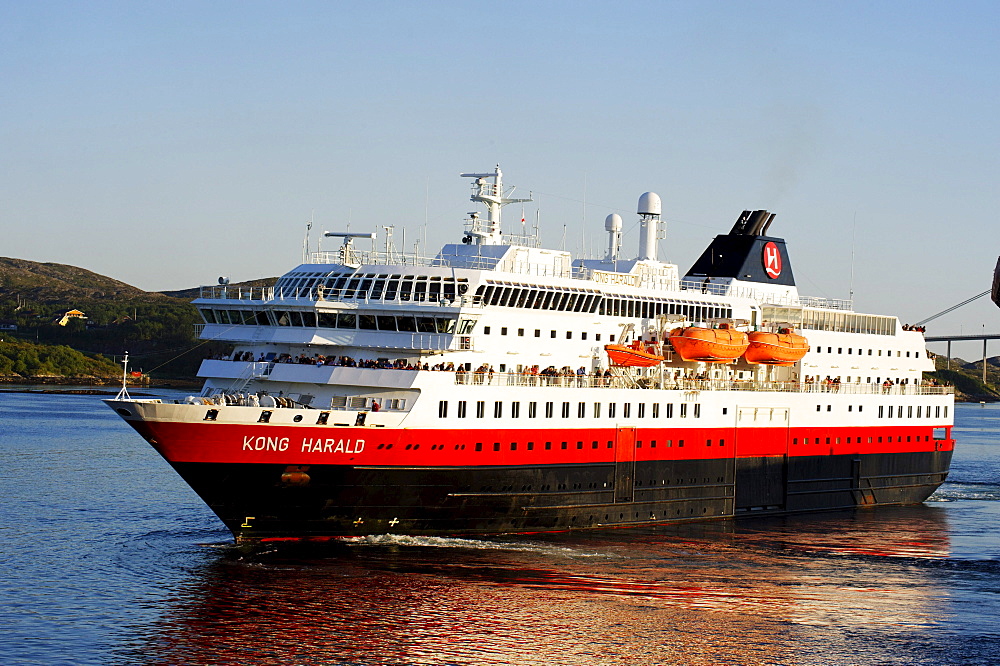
{"x": 487, "y": 232}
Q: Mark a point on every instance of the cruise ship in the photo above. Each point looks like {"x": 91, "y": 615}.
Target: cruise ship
{"x": 502, "y": 387}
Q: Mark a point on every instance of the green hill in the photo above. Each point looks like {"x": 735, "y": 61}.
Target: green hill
{"x": 157, "y": 329}
{"x": 33, "y": 362}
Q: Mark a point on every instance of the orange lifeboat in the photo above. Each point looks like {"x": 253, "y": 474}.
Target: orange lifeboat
{"x": 632, "y": 355}
{"x": 782, "y": 348}
{"x": 711, "y": 345}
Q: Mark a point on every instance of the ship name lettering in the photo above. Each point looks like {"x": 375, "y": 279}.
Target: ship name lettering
{"x": 251, "y": 443}
{"x": 319, "y": 445}
{"x": 615, "y": 278}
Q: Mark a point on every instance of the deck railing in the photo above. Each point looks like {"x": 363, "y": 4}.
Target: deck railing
{"x": 648, "y": 382}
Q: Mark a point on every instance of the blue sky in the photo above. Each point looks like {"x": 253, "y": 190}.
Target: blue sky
{"x": 165, "y": 144}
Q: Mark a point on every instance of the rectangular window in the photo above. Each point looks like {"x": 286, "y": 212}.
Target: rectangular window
{"x": 443, "y": 409}
{"x": 641, "y": 411}
{"x": 569, "y": 335}
{"x": 480, "y": 409}
{"x": 497, "y": 409}
{"x": 549, "y": 410}
{"x": 597, "y": 410}
{"x": 656, "y": 410}
{"x": 565, "y": 410}
{"x": 532, "y": 410}
{"x": 697, "y": 410}
{"x": 670, "y": 410}
{"x": 581, "y": 410}
{"x": 583, "y": 336}
{"x": 461, "y": 409}
{"x": 520, "y": 332}
{"x": 515, "y": 410}
{"x": 553, "y": 334}
{"x": 684, "y": 410}
{"x": 611, "y": 409}
{"x": 626, "y": 410}
{"x": 479, "y": 446}
{"x": 538, "y": 333}
{"x": 881, "y": 412}
{"x": 503, "y": 330}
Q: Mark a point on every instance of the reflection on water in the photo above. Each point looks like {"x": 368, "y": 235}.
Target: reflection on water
{"x": 800, "y": 590}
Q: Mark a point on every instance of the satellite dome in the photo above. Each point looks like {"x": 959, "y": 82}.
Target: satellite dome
{"x": 613, "y": 222}
{"x": 649, "y": 204}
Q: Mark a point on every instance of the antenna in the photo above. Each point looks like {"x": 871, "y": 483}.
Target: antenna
{"x": 123, "y": 394}
{"x": 854, "y": 234}
{"x": 305, "y": 241}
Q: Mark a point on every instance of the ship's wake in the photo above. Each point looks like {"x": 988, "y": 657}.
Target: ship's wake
{"x": 405, "y": 541}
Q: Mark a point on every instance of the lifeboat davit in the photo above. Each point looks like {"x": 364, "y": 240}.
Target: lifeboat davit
{"x": 782, "y": 348}
{"x": 632, "y": 355}
{"x": 711, "y": 345}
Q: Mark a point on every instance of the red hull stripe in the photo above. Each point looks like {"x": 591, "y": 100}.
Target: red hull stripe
{"x": 232, "y": 443}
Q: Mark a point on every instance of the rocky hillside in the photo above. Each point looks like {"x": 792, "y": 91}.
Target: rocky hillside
{"x": 48, "y": 283}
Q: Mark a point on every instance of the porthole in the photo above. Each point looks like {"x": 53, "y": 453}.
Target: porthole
{"x": 298, "y": 418}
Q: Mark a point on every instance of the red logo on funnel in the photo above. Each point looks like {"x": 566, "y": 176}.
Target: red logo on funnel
{"x": 772, "y": 260}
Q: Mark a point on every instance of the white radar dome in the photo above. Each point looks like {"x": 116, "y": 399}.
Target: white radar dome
{"x": 649, "y": 204}
{"x": 613, "y": 222}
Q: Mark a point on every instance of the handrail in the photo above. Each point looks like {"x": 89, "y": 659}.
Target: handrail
{"x": 622, "y": 380}
{"x": 649, "y": 382}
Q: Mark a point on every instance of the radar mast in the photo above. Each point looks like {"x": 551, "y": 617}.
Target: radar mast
{"x": 487, "y": 232}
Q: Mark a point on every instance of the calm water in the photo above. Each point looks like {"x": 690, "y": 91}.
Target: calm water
{"x": 108, "y": 558}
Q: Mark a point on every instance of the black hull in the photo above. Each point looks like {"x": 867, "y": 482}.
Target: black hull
{"x": 265, "y": 502}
